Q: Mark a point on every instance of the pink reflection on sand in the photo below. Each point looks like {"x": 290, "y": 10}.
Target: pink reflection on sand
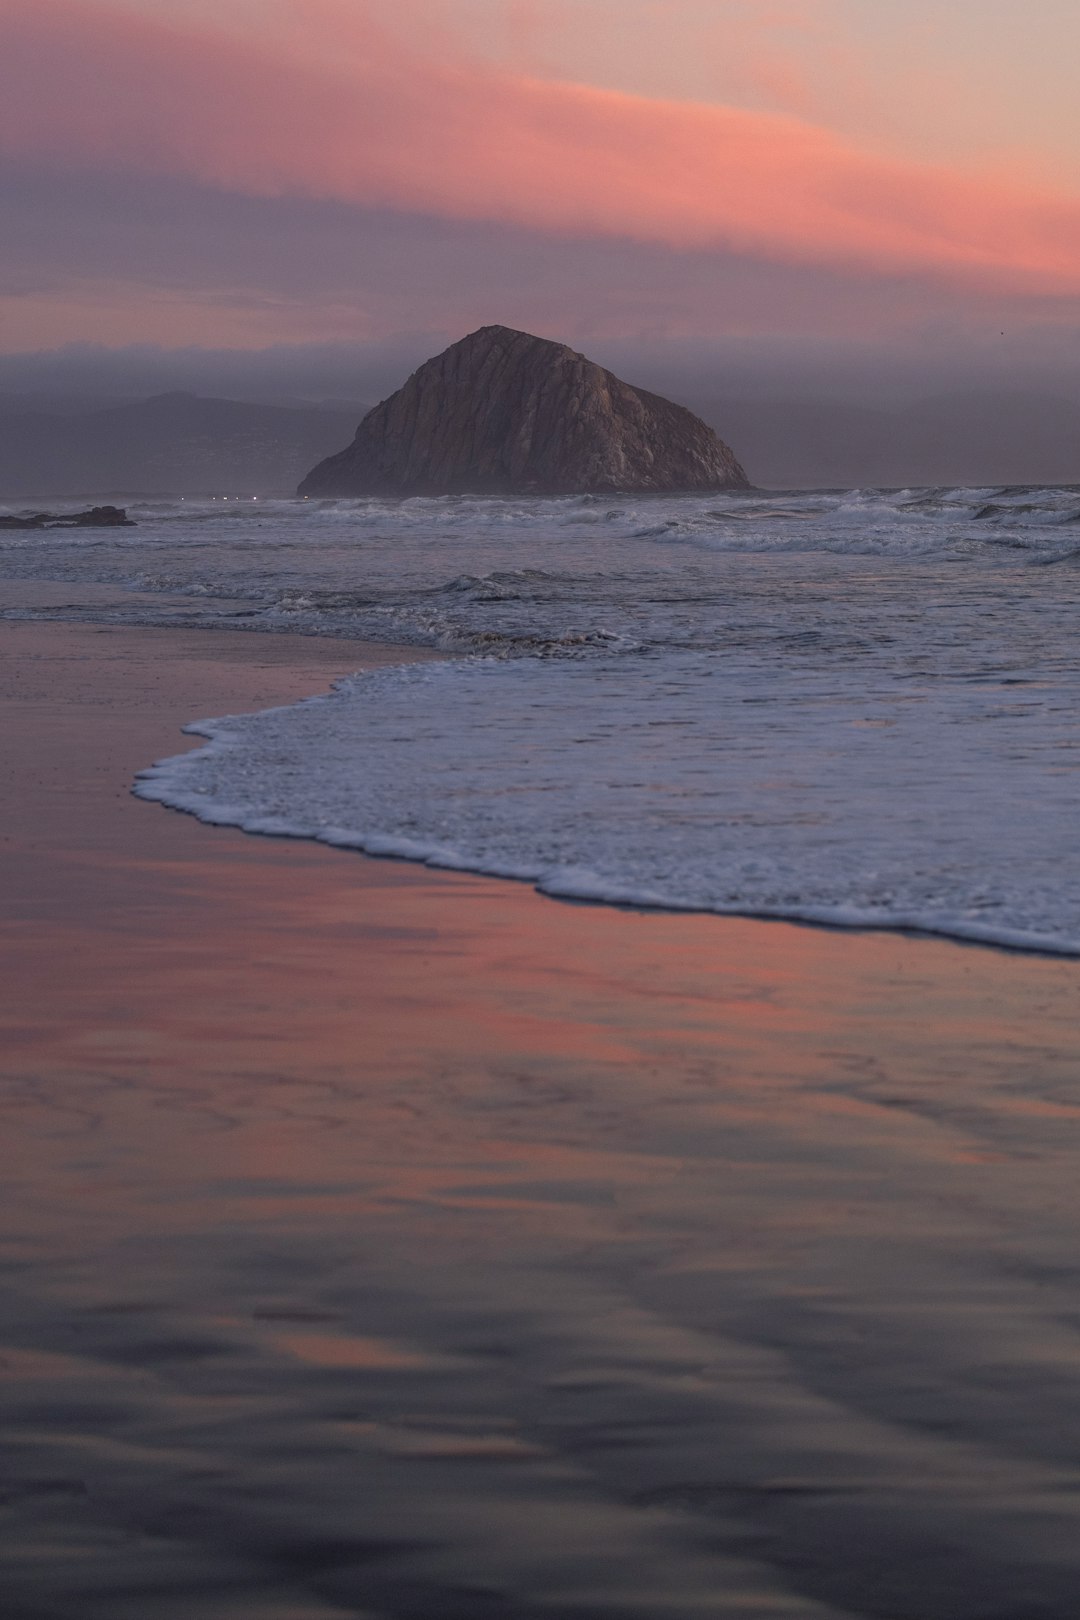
{"x": 333, "y": 1350}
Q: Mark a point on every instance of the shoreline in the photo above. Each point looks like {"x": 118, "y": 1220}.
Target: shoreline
{"x": 266, "y": 669}
{"x": 367, "y": 655}
{"x": 372, "y": 655}
{"x": 37, "y": 595}
{"x": 378, "y": 1236}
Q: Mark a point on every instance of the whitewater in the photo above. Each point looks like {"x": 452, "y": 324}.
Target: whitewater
{"x": 848, "y": 707}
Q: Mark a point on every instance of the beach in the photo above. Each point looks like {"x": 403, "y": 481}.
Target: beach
{"x": 389, "y": 1242}
{"x": 539, "y": 788}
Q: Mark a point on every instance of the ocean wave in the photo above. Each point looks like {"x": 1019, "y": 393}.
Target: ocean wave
{"x": 854, "y": 707}
{"x": 948, "y": 810}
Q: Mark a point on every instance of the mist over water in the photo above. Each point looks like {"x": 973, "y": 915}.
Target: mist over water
{"x": 855, "y": 707}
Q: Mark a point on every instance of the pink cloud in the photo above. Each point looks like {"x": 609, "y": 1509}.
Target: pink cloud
{"x": 323, "y": 104}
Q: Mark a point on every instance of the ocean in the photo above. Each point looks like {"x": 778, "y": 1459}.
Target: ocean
{"x": 852, "y": 707}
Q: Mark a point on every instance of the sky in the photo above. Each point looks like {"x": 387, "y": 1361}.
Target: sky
{"x": 870, "y": 189}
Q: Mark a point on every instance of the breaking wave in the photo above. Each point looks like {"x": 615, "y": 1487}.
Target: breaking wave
{"x": 855, "y": 707}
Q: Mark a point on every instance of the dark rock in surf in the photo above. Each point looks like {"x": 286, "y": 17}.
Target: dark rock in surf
{"x": 99, "y": 517}
{"x": 505, "y": 413}
{"x": 95, "y": 517}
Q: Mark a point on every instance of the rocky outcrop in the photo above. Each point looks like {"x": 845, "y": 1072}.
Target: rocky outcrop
{"x": 504, "y": 413}
{"x": 95, "y": 517}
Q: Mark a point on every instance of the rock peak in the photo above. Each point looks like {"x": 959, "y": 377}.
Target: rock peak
{"x": 503, "y": 412}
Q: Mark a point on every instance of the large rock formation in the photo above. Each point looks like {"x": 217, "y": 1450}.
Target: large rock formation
{"x": 504, "y": 413}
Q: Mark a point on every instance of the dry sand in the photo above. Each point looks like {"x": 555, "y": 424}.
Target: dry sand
{"x": 384, "y": 1242}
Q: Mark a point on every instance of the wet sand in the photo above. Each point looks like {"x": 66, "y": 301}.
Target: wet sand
{"x": 381, "y": 1242}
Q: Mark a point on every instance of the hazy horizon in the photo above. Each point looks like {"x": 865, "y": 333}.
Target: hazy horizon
{"x": 766, "y": 370}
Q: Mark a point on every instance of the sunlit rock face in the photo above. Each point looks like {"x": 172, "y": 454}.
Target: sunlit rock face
{"x": 504, "y": 413}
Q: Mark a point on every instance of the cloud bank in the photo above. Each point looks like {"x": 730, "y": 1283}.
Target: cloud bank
{"x": 322, "y": 104}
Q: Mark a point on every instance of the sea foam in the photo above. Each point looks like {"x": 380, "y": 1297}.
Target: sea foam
{"x": 847, "y": 706}
{"x": 679, "y": 784}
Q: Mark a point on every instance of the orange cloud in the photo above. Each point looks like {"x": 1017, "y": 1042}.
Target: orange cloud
{"x": 321, "y": 103}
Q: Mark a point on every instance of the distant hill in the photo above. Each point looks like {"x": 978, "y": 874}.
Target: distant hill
{"x": 961, "y": 438}
{"x": 177, "y": 444}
